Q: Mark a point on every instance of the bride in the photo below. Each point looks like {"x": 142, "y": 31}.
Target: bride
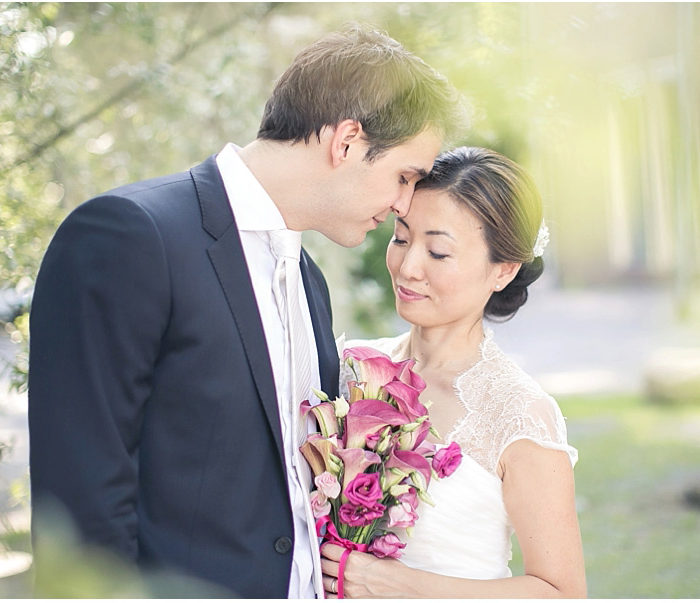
{"x": 467, "y": 250}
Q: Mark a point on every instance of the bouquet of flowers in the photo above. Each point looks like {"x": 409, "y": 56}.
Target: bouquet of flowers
{"x": 371, "y": 460}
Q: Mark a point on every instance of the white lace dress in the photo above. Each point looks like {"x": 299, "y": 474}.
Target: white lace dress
{"x": 467, "y": 533}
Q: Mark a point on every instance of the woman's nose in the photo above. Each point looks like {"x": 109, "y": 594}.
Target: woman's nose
{"x": 411, "y": 267}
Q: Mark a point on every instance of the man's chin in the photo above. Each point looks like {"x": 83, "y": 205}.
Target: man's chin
{"x": 348, "y": 241}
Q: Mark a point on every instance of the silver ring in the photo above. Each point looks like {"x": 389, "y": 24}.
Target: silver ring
{"x": 334, "y": 585}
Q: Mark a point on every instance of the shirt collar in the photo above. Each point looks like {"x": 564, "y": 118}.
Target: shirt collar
{"x": 251, "y": 205}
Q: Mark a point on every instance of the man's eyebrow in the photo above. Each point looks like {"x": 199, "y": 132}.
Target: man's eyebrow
{"x": 403, "y": 222}
{"x": 419, "y": 170}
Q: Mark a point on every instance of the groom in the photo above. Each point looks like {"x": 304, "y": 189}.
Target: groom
{"x": 160, "y": 405}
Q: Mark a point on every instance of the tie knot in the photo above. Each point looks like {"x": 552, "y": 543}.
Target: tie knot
{"x": 285, "y": 243}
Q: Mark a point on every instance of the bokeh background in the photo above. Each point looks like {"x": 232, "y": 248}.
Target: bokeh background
{"x": 600, "y": 101}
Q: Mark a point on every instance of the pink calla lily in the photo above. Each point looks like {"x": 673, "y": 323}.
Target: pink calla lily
{"x": 325, "y": 416}
{"x": 317, "y": 451}
{"x": 407, "y": 462}
{"x": 374, "y": 368}
{"x": 412, "y": 440}
{"x": 366, "y": 418}
{"x": 408, "y": 376}
{"x": 406, "y": 398}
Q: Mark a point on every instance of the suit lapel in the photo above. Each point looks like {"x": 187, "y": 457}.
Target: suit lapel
{"x": 226, "y": 255}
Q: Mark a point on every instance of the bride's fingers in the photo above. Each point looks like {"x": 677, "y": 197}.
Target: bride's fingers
{"x": 330, "y": 584}
{"x": 332, "y": 551}
{"x": 330, "y": 568}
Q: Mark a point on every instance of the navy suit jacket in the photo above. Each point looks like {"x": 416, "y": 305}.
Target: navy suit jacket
{"x": 152, "y": 408}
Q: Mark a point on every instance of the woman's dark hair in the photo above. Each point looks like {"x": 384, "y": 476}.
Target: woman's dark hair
{"x": 503, "y": 196}
{"x": 365, "y": 75}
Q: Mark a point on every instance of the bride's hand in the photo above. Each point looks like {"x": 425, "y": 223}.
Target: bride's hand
{"x": 365, "y": 575}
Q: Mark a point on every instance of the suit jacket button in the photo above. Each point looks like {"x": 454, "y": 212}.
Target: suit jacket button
{"x": 283, "y": 545}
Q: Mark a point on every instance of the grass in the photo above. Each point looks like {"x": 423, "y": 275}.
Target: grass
{"x": 637, "y": 461}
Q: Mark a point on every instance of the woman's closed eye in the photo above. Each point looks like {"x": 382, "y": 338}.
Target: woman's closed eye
{"x": 397, "y": 241}
{"x": 438, "y": 256}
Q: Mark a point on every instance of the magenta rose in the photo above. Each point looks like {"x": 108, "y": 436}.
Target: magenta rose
{"x": 364, "y": 489}
{"x": 388, "y": 545}
{"x": 360, "y": 515}
{"x": 446, "y": 460}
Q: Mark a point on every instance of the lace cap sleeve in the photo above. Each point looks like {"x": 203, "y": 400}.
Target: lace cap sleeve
{"x": 541, "y": 422}
{"x": 503, "y": 404}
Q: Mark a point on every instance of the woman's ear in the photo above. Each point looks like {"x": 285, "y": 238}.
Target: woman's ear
{"x": 505, "y": 273}
{"x": 347, "y": 135}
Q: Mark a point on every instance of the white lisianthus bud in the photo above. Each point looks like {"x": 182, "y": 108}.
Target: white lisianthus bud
{"x": 435, "y": 433}
{"x": 399, "y": 489}
{"x": 418, "y": 481}
{"x": 409, "y": 427}
{"x": 423, "y": 495}
{"x": 341, "y": 407}
{"x": 321, "y": 395}
{"x": 335, "y": 464}
{"x": 385, "y": 441}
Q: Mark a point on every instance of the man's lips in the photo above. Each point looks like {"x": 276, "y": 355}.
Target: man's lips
{"x": 406, "y": 294}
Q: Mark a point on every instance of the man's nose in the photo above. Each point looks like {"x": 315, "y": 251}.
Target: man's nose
{"x": 401, "y": 206}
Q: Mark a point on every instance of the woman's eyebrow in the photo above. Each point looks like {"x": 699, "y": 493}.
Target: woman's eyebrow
{"x": 439, "y": 232}
{"x": 428, "y": 232}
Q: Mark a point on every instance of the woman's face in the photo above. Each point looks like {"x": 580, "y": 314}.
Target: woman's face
{"x": 439, "y": 263}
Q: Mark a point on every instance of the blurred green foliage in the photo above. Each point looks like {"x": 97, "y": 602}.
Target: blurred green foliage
{"x": 599, "y": 101}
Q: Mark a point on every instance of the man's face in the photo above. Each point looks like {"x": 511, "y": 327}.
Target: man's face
{"x": 367, "y": 192}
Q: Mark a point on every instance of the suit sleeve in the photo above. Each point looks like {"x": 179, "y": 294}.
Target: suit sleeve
{"x": 100, "y": 307}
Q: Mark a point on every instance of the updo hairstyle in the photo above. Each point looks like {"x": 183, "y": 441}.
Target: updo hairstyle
{"x": 503, "y": 196}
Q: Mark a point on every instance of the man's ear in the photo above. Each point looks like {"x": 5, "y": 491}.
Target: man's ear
{"x": 347, "y": 134}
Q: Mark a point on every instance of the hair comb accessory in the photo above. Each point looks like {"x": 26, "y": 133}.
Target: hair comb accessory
{"x": 541, "y": 241}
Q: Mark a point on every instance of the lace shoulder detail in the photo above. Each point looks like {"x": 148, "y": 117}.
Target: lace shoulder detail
{"x": 504, "y": 404}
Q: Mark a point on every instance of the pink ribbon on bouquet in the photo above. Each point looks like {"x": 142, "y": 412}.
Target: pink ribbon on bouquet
{"x": 333, "y": 537}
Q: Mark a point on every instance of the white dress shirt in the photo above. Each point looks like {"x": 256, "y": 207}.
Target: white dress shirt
{"x": 256, "y": 215}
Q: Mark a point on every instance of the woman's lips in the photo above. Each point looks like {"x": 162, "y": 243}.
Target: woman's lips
{"x": 408, "y": 294}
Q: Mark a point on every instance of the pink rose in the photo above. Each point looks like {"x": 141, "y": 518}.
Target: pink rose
{"x": 320, "y": 506}
{"x": 364, "y": 490}
{"x": 328, "y": 484}
{"x": 446, "y": 460}
{"x": 402, "y": 515}
{"x": 410, "y": 498}
{"x": 359, "y": 515}
{"x": 388, "y": 545}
